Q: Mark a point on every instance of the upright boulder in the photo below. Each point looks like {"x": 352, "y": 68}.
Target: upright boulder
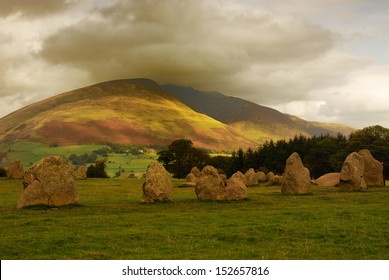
{"x": 296, "y": 178}
{"x": 351, "y": 175}
{"x": 235, "y": 189}
{"x": 49, "y": 182}
{"x": 260, "y": 176}
{"x": 195, "y": 171}
{"x": 15, "y": 170}
{"x": 251, "y": 179}
{"x": 157, "y": 185}
{"x": 328, "y": 180}
{"x": 373, "y": 173}
{"x": 210, "y": 185}
{"x": 81, "y": 172}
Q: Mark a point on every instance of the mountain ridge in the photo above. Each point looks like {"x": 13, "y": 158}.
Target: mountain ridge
{"x": 140, "y": 111}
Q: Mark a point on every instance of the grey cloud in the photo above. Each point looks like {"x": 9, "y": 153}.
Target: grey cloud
{"x": 32, "y": 8}
{"x": 205, "y": 44}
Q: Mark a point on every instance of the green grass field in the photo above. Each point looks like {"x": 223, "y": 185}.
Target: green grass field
{"x": 30, "y": 152}
{"x": 110, "y": 223}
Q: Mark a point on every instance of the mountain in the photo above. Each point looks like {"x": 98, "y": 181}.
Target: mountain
{"x": 260, "y": 122}
{"x": 140, "y": 111}
{"x": 319, "y": 128}
{"x": 135, "y": 111}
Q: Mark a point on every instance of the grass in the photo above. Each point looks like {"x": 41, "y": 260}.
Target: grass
{"x": 110, "y": 223}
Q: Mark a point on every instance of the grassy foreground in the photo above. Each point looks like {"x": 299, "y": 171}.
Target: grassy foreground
{"x": 111, "y": 223}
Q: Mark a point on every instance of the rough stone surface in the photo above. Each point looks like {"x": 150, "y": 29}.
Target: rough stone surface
{"x": 373, "y": 174}
{"x": 328, "y": 180}
{"x": 297, "y": 178}
{"x": 224, "y": 179}
{"x": 195, "y": 171}
{"x": 241, "y": 176}
{"x": 81, "y": 172}
{"x": 157, "y": 185}
{"x": 191, "y": 178}
{"x": 251, "y": 179}
{"x": 15, "y": 170}
{"x": 210, "y": 185}
{"x": 260, "y": 176}
{"x": 49, "y": 182}
{"x": 351, "y": 175}
{"x": 269, "y": 177}
{"x": 235, "y": 189}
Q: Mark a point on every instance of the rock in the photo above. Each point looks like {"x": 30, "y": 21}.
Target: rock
{"x": 351, "y": 175}
{"x": 328, "y": 180}
{"x": 157, "y": 185}
{"x": 373, "y": 174}
{"x": 195, "y": 171}
{"x": 236, "y": 189}
{"x": 269, "y": 177}
{"x": 81, "y": 172}
{"x": 251, "y": 179}
{"x": 15, "y": 170}
{"x": 241, "y": 176}
{"x": 224, "y": 179}
{"x": 260, "y": 176}
{"x": 277, "y": 179}
{"x": 49, "y": 182}
{"x": 297, "y": 178}
{"x": 274, "y": 179}
{"x": 191, "y": 178}
{"x": 210, "y": 185}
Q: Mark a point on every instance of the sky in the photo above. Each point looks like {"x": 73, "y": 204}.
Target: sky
{"x": 321, "y": 60}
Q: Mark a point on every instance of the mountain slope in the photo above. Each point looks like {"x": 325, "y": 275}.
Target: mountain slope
{"x": 136, "y": 111}
{"x": 319, "y": 128}
{"x": 258, "y": 122}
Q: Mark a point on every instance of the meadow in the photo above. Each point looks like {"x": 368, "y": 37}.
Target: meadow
{"x": 109, "y": 222}
{"x": 30, "y": 152}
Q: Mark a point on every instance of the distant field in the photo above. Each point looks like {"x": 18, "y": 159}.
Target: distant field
{"x": 110, "y": 223}
{"x": 30, "y": 152}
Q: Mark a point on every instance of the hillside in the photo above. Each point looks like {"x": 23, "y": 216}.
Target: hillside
{"x": 251, "y": 117}
{"x": 258, "y": 122}
{"x": 319, "y": 128}
{"x": 140, "y": 111}
{"x": 136, "y": 111}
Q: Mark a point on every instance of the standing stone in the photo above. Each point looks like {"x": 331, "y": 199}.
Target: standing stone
{"x": 351, "y": 175}
{"x": 210, "y": 185}
{"x": 260, "y": 176}
{"x": 269, "y": 177}
{"x": 373, "y": 174}
{"x": 49, "y": 182}
{"x": 251, "y": 179}
{"x": 328, "y": 180}
{"x": 191, "y": 178}
{"x": 241, "y": 176}
{"x": 195, "y": 171}
{"x": 236, "y": 189}
{"x": 81, "y": 172}
{"x": 157, "y": 185}
{"x": 297, "y": 178}
{"x": 15, "y": 170}
{"x": 224, "y": 179}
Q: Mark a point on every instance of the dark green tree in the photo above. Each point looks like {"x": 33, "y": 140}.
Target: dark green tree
{"x": 181, "y": 156}
{"x": 97, "y": 170}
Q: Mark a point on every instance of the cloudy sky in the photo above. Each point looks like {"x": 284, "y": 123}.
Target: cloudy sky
{"x": 323, "y": 60}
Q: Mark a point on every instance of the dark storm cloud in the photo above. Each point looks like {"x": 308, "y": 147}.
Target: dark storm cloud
{"x": 201, "y": 43}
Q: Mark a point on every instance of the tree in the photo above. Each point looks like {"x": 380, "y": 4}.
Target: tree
{"x": 97, "y": 170}
{"x": 181, "y": 156}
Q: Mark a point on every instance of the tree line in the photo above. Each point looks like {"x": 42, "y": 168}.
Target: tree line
{"x": 320, "y": 154}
